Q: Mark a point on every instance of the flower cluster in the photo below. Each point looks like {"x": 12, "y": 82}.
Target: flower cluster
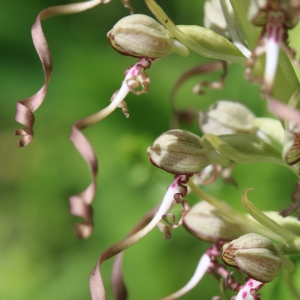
{"x": 253, "y": 34}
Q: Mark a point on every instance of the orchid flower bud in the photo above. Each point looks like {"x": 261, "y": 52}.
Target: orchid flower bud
{"x": 210, "y": 225}
{"x": 255, "y": 255}
{"x": 141, "y": 36}
{"x": 227, "y": 117}
{"x": 182, "y": 152}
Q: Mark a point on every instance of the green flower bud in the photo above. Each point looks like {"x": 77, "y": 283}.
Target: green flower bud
{"x": 227, "y": 117}
{"x": 255, "y": 255}
{"x": 210, "y": 225}
{"x": 290, "y": 151}
{"x": 141, "y": 36}
{"x": 271, "y": 128}
{"x": 181, "y": 152}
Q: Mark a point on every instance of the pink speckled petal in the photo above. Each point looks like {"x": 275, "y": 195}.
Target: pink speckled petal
{"x": 80, "y": 204}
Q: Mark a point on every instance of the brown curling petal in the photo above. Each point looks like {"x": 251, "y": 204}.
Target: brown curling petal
{"x": 80, "y": 204}
{"x": 188, "y": 115}
{"x": 26, "y": 107}
{"x": 118, "y": 286}
{"x": 96, "y": 283}
{"x": 127, "y": 4}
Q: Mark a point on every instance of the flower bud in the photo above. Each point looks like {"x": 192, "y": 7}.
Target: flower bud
{"x": 179, "y": 152}
{"x": 141, "y": 36}
{"x": 255, "y": 255}
{"x": 208, "y": 224}
{"x": 227, "y": 117}
{"x": 291, "y": 142}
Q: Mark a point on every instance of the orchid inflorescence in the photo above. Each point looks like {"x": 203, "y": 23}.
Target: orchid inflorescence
{"x": 254, "y": 34}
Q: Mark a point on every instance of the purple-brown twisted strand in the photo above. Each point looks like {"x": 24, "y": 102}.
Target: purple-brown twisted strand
{"x": 26, "y": 107}
{"x": 80, "y": 204}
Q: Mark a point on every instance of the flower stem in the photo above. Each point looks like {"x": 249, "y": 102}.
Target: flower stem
{"x": 265, "y": 220}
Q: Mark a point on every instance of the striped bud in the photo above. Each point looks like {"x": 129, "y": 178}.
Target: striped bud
{"x": 179, "y": 152}
{"x": 141, "y": 36}
{"x": 255, "y": 255}
{"x": 227, "y": 117}
{"x": 210, "y": 225}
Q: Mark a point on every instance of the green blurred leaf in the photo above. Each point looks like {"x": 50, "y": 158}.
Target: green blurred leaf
{"x": 244, "y": 148}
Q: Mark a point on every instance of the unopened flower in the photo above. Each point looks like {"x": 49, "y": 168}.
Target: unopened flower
{"x": 208, "y": 224}
{"x": 255, "y": 255}
{"x": 227, "y": 117}
{"x": 141, "y": 36}
{"x": 291, "y": 145}
{"x": 181, "y": 152}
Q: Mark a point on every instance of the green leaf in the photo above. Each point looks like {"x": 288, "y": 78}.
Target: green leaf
{"x": 244, "y": 148}
{"x": 263, "y": 219}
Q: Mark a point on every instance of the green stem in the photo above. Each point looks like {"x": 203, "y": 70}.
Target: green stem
{"x": 260, "y": 217}
{"x": 291, "y": 246}
{"x": 226, "y": 209}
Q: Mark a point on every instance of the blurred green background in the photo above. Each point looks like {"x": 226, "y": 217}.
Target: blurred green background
{"x": 40, "y": 257}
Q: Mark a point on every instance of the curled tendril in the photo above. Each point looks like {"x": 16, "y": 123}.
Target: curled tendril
{"x": 186, "y": 209}
{"x": 165, "y": 229}
{"x": 232, "y": 282}
{"x": 80, "y": 204}
{"x": 198, "y": 70}
{"x": 127, "y": 4}
{"x": 26, "y": 107}
{"x": 208, "y": 263}
{"x": 96, "y": 283}
{"x": 139, "y": 79}
{"x": 122, "y": 104}
{"x": 118, "y": 285}
{"x": 294, "y": 207}
{"x": 202, "y": 267}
